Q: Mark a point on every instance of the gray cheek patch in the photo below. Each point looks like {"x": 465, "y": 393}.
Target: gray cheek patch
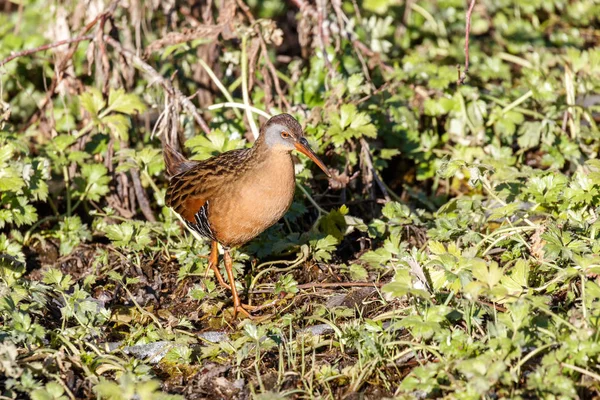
{"x": 273, "y": 135}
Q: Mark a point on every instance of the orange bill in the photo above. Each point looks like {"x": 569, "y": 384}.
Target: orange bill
{"x": 303, "y": 147}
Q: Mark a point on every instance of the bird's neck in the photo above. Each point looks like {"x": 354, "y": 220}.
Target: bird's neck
{"x": 263, "y": 153}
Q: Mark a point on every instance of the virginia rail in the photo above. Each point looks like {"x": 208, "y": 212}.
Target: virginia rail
{"x": 233, "y": 197}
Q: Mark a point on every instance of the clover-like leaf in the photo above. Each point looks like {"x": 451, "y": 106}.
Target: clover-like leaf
{"x": 126, "y": 103}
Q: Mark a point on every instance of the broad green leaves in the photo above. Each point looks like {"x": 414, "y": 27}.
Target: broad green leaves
{"x": 131, "y": 235}
{"x": 350, "y": 124}
{"x": 22, "y": 181}
{"x": 112, "y": 116}
{"x": 93, "y": 183}
{"x": 71, "y": 232}
{"x": 215, "y": 143}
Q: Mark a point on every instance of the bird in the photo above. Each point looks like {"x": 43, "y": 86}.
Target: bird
{"x": 233, "y": 197}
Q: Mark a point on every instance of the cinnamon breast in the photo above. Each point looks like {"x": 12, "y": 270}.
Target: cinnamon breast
{"x": 259, "y": 198}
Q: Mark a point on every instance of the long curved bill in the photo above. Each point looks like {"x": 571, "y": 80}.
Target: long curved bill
{"x": 303, "y": 147}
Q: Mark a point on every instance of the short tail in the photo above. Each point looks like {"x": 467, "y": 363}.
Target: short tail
{"x": 175, "y": 162}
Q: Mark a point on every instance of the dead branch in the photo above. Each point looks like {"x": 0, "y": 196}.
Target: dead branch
{"x": 339, "y": 284}
{"x": 463, "y": 76}
{"x": 156, "y": 77}
{"x": 370, "y": 170}
{"x": 305, "y": 8}
{"x": 210, "y": 32}
{"x": 45, "y": 47}
{"x": 141, "y": 196}
{"x": 263, "y": 46}
{"x": 322, "y": 285}
{"x": 64, "y": 62}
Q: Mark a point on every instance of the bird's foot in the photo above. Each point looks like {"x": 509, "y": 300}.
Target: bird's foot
{"x": 244, "y": 309}
{"x": 240, "y": 309}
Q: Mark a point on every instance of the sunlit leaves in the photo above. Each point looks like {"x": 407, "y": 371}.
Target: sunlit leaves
{"x": 92, "y": 101}
{"x": 148, "y": 159}
{"x": 215, "y": 143}
{"x": 322, "y": 249}
{"x": 130, "y": 387}
{"x": 350, "y": 123}
{"x": 133, "y": 235}
{"x": 562, "y": 245}
{"x": 286, "y": 284}
{"x": 112, "y": 116}
{"x": 122, "y": 102}
{"x": 21, "y": 181}
{"x": 71, "y": 232}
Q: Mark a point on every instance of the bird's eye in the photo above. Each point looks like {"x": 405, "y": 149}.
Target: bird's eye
{"x": 285, "y": 135}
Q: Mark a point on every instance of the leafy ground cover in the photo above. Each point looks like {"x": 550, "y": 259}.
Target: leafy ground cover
{"x": 453, "y": 254}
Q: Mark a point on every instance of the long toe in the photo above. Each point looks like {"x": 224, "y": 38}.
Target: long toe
{"x": 241, "y": 309}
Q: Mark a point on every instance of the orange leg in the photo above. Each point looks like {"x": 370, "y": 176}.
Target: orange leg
{"x": 237, "y": 304}
{"x": 213, "y": 262}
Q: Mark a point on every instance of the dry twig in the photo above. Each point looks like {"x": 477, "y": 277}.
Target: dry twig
{"x": 210, "y": 32}
{"x": 462, "y": 76}
{"x": 64, "y": 63}
{"x": 141, "y": 196}
{"x": 305, "y": 8}
{"x": 147, "y": 68}
{"x": 339, "y": 284}
{"x": 45, "y": 47}
{"x": 263, "y": 46}
{"x": 369, "y": 169}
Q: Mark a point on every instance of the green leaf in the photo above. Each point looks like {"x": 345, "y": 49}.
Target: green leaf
{"x": 358, "y": 273}
{"x": 121, "y": 234}
{"x": 63, "y": 141}
{"x": 286, "y": 284}
{"x": 96, "y": 181}
{"x": 323, "y": 248}
{"x": 133, "y": 235}
{"x": 92, "y": 101}
{"x": 118, "y": 125}
{"x": 217, "y": 142}
{"x": 487, "y": 273}
{"x": 71, "y": 232}
{"x": 125, "y": 103}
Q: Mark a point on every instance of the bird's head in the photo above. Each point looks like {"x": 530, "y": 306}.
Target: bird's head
{"x": 283, "y": 133}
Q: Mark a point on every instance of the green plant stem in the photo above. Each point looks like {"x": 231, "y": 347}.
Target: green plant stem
{"x": 235, "y": 106}
{"x": 488, "y": 188}
{"x": 333, "y": 326}
{"x": 583, "y": 371}
{"x": 525, "y": 111}
{"x": 531, "y": 354}
{"x": 509, "y": 107}
{"x": 245, "y": 94}
{"x": 157, "y": 191}
{"x": 219, "y": 84}
{"x": 515, "y": 60}
{"x": 293, "y": 265}
{"x": 36, "y": 225}
{"x": 67, "y": 180}
{"x": 309, "y": 197}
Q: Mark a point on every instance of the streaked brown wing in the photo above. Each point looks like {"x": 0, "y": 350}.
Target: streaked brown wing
{"x": 192, "y": 192}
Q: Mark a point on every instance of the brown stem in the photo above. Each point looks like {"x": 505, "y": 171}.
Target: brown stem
{"x": 140, "y": 194}
{"x": 48, "y": 46}
{"x": 366, "y": 155}
{"x": 263, "y": 46}
{"x": 305, "y": 7}
{"x": 64, "y": 62}
{"x": 147, "y": 68}
{"x": 339, "y": 284}
{"x": 463, "y": 76}
{"x": 321, "y": 10}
